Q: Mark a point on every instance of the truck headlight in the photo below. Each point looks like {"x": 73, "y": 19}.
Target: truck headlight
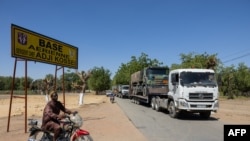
{"x": 183, "y": 104}
{"x": 216, "y": 104}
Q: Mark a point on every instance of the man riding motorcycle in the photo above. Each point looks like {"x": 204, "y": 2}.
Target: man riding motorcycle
{"x": 51, "y": 115}
{"x": 112, "y": 95}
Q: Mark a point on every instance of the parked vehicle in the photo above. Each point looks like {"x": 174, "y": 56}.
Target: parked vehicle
{"x": 181, "y": 90}
{"x": 108, "y": 93}
{"x": 71, "y": 130}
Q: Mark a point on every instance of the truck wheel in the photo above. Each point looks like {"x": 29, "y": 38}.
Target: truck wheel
{"x": 205, "y": 115}
{"x": 153, "y": 103}
{"x": 172, "y": 110}
{"x": 157, "y": 107}
{"x": 137, "y": 102}
{"x": 144, "y": 91}
{"x": 132, "y": 100}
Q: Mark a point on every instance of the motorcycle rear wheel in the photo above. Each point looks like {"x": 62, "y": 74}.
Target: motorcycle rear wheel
{"x": 112, "y": 99}
{"x": 84, "y": 138}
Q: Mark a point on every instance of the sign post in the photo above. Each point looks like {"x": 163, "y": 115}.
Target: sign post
{"x": 32, "y": 46}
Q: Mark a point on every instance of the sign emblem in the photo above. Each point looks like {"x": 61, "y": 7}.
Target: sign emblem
{"x": 22, "y": 38}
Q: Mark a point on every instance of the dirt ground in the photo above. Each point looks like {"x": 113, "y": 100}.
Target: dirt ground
{"x": 104, "y": 121}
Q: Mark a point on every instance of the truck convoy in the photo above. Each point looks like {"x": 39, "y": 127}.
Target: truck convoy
{"x": 178, "y": 91}
{"x": 123, "y": 90}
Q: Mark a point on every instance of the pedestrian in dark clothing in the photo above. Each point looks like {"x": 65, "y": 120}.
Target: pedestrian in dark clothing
{"x": 51, "y": 115}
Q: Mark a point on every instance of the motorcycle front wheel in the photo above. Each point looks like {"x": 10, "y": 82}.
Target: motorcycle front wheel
{"x": 84, "y": 138}
{"x": 40, "y": 136}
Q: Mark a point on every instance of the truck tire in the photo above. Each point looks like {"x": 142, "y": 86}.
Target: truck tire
{"x": 144, "y": 92}
{"x": 137, "y": 102}
{"x": 172, "y": 110}
{"x": 157, "y": 106}
{"x": 153, "y": 103}
{"x": 132, "y": 100}
{"x": 205, "y": 115}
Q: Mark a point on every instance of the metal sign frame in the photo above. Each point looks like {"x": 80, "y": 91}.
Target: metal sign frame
{"x": 27, "y": 45}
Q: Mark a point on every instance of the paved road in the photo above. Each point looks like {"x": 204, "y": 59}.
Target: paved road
{"x": 159, "y": 126}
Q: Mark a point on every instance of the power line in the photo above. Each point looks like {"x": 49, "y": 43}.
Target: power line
{"x": 237, "y": 58}
{"x": 235, "y": 53}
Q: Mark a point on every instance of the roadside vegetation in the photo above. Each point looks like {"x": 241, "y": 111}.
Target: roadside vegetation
{"x": 233, "y": 81}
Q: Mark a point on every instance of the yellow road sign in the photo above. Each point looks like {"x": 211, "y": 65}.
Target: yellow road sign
{"x": 30, "y": 45}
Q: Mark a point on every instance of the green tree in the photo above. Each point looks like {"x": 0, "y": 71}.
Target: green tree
{"x": 37, "y": 85}
{"x": 69, "y": 79}
{"x": 100, "y": 79}
{"x": 124, "y": 72}
{"x": 2, "y": 83}
{"x": 242, "y": 79}
{"x": 227, "y": 79}
{"x": 6, "y": 82}
{"x": 192, "y": 60}
{"x": 21, "y": 84}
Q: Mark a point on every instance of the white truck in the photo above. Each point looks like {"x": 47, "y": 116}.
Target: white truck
{"x": 190, "y": 90}
{"x": 122, "y": 90}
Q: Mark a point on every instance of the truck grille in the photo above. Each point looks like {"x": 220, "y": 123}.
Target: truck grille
{"x": 161, "y": 82}
{"x": 200, "y": 96}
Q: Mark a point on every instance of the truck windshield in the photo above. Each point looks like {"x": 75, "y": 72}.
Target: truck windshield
{"x": 198, "y": 78}
{"x": 157, "y": 71}
{"x": 125, "y": 87}
{"x": 157, "y": 74}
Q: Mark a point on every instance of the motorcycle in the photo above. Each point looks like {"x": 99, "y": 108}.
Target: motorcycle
{"x": 70, "y": 130}
{"x": 112, "y": 98}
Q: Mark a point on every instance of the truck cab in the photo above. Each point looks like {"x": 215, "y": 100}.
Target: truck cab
{"x": 193, "y": 90}
{"x": 123, "y": 91}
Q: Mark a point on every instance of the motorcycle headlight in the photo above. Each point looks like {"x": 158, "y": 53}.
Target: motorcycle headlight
{"x": 77, "y": 119}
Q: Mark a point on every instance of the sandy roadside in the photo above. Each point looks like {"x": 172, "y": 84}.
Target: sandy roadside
{"x": 105, "y": 121}
{"x": 101, "y": 118}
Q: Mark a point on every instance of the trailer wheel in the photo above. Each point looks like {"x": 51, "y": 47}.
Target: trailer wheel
{"x": 153, "y": 103}
{"x": 172, "y": 110}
